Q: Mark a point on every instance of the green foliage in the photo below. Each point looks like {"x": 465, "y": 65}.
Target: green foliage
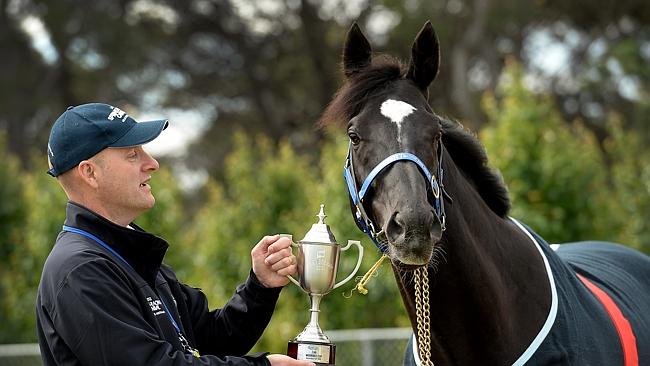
{"x": 34, "y": 227}
{"x": 12, "y": 208}
{"x": 167, "y": 218}
{"x": 561, "y": 182}
{"x": 554, "y": 171}
{"x": 45, "y": 202}
{"x": 270, "y": 189}
{"x": 630, "y": 176}
{"x": 13, "y": 217}
{"x": 265, "y": 192}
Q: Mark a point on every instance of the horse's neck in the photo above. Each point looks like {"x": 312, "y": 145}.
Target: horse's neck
{"x": 489, "y": 294}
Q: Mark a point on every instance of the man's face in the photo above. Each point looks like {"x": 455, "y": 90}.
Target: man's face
{"x": 123, "y": 176}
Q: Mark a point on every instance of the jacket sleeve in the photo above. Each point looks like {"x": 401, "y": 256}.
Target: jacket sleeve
{"x": 97, "y": 315}
{"x": 237, "y": 326}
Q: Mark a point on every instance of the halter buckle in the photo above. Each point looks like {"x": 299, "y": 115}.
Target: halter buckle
{"x": 435, "y": 187}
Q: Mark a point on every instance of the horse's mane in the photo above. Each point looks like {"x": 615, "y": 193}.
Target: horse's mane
{"x": 471, "y": 158}
{"x": 465, "y": 149}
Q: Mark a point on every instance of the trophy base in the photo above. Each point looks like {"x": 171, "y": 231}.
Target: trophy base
{"x": 321, "y": 354}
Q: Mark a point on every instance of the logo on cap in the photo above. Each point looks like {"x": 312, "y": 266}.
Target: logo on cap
{"x": 118, "y": 113}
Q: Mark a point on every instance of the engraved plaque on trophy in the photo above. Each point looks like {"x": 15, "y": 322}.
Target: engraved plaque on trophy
{"x": 318, "y": 260}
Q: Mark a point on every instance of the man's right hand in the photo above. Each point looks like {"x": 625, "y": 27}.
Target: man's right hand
{"x": 282, "y": 360}
{"x": 273, "y": 261}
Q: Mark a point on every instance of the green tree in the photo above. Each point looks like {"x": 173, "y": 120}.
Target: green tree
{"x": 269, "y": 189}
{"x": 45, "y": 202}
{"x": 13, "y": 218}
{"x": 562, "y": 181}
{"x": 555, "y": 172}
{"x": 630, "y": 177}
{"x": 168, "y": 219}
{"x": 266, "y": 191}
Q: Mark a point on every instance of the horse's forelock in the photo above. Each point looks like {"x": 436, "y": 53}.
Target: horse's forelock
{"x": 356, "y": 91}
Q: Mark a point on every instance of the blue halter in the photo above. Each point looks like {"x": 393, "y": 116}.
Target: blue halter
{"x": 361, "y": 218}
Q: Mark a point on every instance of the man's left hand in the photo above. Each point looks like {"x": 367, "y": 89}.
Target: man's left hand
{"x": 273, "y": 261}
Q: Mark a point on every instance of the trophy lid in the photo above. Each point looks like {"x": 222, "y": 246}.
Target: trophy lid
{"x": 320, "y": 232}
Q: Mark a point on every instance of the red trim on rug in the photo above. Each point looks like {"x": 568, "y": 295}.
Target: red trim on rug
{"x": 625, "y": 333}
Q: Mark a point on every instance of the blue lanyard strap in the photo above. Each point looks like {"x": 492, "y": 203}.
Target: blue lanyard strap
{"x": 98, "y": 241}
{"x": 118, "y": 256}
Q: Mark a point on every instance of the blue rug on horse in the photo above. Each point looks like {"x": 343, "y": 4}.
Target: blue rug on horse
{"x": 583, "y": 332}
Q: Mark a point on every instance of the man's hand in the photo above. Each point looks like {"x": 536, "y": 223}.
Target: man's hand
{"x": 282, "y": 360}
{"x": 273, "y": 261}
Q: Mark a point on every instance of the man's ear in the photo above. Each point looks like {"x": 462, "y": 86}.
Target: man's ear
{"x": 87, "y": 172}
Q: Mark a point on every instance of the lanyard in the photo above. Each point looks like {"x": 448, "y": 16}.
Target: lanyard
{"x": 118, "y": 256}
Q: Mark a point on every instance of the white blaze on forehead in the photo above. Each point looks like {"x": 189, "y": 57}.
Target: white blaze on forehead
{"x": 396, "y": 111}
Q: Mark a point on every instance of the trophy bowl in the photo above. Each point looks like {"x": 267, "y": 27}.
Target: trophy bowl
{"x": 317, "y": 266}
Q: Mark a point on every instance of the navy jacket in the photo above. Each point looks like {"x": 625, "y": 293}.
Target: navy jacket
{"x": 94, "y": 309}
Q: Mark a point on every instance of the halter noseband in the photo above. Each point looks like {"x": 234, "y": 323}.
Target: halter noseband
{"x": 361, "y": 218}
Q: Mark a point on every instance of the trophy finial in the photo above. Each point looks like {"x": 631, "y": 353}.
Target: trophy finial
{"x": 320, "y": 232}
{"x": 321, "y": 215}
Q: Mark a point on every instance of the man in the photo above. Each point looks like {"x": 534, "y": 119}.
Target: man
{"x": 105, "y": 298}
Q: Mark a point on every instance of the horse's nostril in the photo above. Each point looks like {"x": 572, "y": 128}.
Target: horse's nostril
{"x": 395, "y": 229}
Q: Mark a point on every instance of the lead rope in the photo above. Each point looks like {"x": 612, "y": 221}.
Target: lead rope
{"x": 422, "y": 311}
{"x": 372, "y": 272}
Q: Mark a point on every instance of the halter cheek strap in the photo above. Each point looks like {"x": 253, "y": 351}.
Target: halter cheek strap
{"x": 361, "y": 218}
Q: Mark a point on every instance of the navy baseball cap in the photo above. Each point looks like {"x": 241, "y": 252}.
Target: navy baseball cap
{"x": 83, "y": 131}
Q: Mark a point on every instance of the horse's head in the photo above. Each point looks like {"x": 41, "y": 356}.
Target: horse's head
{"x": 388, "y": 116}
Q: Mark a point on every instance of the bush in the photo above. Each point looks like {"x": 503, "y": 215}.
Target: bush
{"x": 269, "y": 190}
{"x": 560, "y": 180}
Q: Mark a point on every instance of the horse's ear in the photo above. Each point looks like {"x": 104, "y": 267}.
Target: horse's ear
{"x": 357, "y": 52}
{"x": 425, "y": 58}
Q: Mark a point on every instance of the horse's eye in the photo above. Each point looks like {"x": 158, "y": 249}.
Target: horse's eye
{"x": 354, "y": 138}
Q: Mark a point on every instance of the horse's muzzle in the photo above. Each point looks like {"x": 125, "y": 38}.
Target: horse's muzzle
{"x": 412, "y": 236}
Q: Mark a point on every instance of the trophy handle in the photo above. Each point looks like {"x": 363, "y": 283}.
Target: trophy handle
{"x": 293, "y": 245}
{"x": 358, "y": 244}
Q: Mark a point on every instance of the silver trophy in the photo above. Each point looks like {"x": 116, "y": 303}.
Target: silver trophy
{"x": 318, "y": 261}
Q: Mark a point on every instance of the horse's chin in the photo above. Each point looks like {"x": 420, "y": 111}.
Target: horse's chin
{"x": 405, "y": 267}
{"x": 410, "y": 259}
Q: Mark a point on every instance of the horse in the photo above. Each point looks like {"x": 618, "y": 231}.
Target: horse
{"x": 480, "y": 287}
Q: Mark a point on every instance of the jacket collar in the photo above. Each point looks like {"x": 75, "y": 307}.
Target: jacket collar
{"x": 142, "y": 250}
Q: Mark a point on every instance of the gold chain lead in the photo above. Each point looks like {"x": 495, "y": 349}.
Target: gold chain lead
{"x": 422, "y": 312}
